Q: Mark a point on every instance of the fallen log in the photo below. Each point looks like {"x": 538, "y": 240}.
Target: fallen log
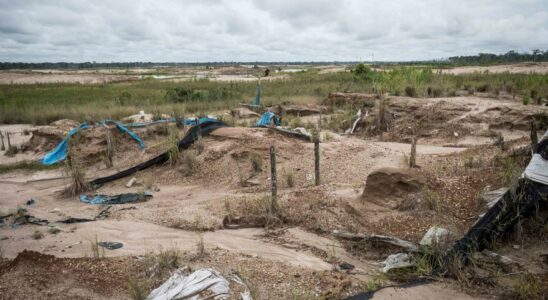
{"x": 375, "y": 238}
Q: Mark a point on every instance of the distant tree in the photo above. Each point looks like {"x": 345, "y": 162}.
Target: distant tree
{"x": 362, "y": 70}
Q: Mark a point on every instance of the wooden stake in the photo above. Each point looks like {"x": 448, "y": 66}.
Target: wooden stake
{"x": 412, "y": 157}
{"x": 317, "y": 160}
{"x": 2, "y": 138}
{"x": 534, "y": 138}
{"x": 273, "y": 178}
{"x": 9, "y": 142}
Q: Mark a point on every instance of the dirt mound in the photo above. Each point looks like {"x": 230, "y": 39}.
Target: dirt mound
{"x": 388, "y": 186}
{"x": 300, "y": 111}
{"x": 90, "y": 144}
{"x": 341, "y": 99}
{"x": 51, "y": 277}
{"x": 245, "y": 113}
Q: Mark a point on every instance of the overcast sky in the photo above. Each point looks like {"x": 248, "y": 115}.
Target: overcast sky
{"x": 268, "y": 30}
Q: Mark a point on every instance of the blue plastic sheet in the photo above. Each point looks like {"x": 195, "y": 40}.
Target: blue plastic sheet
{"x": 197, "y": 121}
{"x": 122, "y": 128}
{"x": 59, "y": 153}
{"x": 116, "y": 199}
{"x": 267, "y": 119}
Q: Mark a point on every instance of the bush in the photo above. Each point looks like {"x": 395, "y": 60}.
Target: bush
{"x": 189, "y": 163}
{"x": 410, "y": 91}
{"x": 483, "y": 88}
{"x": 526, "y": 99}
{"x": 361, "y": 70}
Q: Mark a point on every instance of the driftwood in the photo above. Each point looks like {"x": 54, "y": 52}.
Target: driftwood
{"x": 405, "y": 245}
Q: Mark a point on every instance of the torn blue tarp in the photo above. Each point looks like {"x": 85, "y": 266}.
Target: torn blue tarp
{"x": 123, "y": 128}
{"x": 59, "y": 153}
{"x": 116, "y": 199}
{"x": 196, "y": 121}
{"x": 268, "y": 119}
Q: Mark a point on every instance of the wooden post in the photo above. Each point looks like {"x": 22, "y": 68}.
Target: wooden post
{"x": 320, "y": 120}
{"x": 317, "y": 160}
{"x": 412, "y": 157}
{"x": 2, "y": 138}
{"x": 534, "y": 138}
{"x": 9, "y": 142}
{"x": 273, "y": 177}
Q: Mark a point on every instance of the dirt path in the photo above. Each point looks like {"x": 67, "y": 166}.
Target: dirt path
{"x": 431, "y": 291}
{"x": 538, "y": 68}
{"x": 140, "y": 238}
{"x": 421, "y": 149}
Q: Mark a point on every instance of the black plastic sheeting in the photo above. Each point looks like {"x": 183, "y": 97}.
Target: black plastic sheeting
{"x": 519, "y": 202}
{"x": 191, "y": 136}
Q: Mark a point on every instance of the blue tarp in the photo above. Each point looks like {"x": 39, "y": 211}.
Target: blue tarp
{"x": 123, "y": 128}
{"x": 59, "y": 153}
{"x": 267, "y": 118}
{"x": 116, "y": 199}
{"x": 197, "y": 121}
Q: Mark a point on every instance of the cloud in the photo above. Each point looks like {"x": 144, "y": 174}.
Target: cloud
{"x": 260, "y": 30}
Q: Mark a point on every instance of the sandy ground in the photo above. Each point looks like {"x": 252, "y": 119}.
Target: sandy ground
{"x": 17, "y": 138}
{"x": 524, "y": 68}
{"x": 186, "y": 207}
{"x": 9, "y": 77}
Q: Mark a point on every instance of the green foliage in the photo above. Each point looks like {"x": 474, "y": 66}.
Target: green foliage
{"x": 362, "y": 70}
{"x": 526, "y": 99}
{"x": 44, "y": 103}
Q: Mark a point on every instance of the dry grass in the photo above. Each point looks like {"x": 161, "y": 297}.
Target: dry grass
{"x": 188, "y": 163}
{"x": 256, "y": 162}
{"x": 96, "y": 251}
{"x": 290, "y": 179}
{"x": 137, "y": 289}
{"x": 163, "y": 261}
{"x": 200, "y": 246}
{"x": 172, "y": 147}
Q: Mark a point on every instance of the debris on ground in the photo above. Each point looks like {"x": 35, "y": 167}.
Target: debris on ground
{"x": 491, "y": 197}
{"x": 437, "y": 237}
{"x": 375, "y": 238}
{"x": 115, "y": 199}
{"x": 131, "y": 182}
{"x": 110, "y": 245}
{"x": 397, "y": 261}
{"x": 201, "y": 284}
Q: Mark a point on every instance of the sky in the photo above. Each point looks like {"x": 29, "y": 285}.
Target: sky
{"x": 267, "y": 30}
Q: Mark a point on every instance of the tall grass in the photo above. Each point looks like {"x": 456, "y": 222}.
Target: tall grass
{"x": 44, "y": 103}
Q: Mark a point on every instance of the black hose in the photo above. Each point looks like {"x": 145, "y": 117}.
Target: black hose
{"x": 191, "y": 136}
